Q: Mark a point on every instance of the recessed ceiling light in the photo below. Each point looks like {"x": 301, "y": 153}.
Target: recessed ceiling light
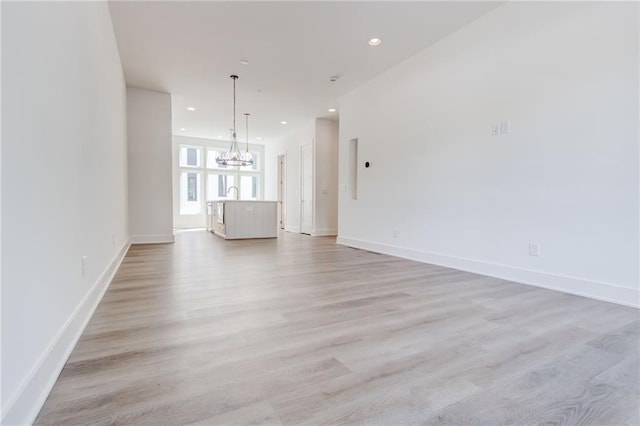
{"x": 374, "y": 41}
{"x": 244, "y": 62}
{"x": 332, "y": 110}
{"x": 283, "y": 122}
{"x": 259, "y": 138}
{"x": 219, "y": 136}
{"x": 182, "y": 129}
{"x": 191, "y": 109}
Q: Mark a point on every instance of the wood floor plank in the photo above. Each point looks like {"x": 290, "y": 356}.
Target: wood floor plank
{"x": 299, "y": 330}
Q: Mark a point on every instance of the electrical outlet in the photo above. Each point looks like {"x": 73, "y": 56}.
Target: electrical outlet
{"x": 534, "y": 249}
{"x": 495, "y": 129}
{"x": 84, "y": 265}
{"x": 395, "y": 233}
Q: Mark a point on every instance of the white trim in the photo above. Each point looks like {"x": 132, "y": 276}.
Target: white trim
{"x": 25, "y": 404}
{"x": 326, "y": 232}
{"x": 596, "y": 290}
{"x": 152, "y": 239}
{"x": 295, "y": 229}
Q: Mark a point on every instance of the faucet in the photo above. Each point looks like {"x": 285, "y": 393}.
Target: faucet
{"x": 233, "y": 187}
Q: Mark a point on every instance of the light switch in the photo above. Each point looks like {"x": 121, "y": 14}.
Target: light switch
{"x": 534, "y": 249}
{"x": 505, "y": 127}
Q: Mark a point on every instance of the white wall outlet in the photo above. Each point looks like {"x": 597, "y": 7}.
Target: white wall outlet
{"x": 395, "y": 233}
{"x": 84, "y": 265}
{"x": 534, "y": 249}
{"x": 495, "y": 129}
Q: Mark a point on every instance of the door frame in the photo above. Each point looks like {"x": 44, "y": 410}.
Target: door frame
{"x": 304, "y": 196}
{"x": 282, "y": 188}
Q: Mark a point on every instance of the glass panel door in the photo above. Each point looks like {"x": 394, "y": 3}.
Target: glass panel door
{"x": 249, "y": 187}
{"x": 218, "y": 187}
{"x": 190, "y": 192}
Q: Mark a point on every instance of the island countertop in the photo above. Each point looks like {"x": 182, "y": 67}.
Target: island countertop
{"x": 240, "y": 201}
{"x": 240, "y": 219}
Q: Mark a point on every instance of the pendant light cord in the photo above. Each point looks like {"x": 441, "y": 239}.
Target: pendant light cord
{"x": 246, "y": 114}
{"x": 234, "y": 77}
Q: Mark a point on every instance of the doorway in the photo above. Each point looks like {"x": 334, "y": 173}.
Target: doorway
{"x": 282, "y": 191}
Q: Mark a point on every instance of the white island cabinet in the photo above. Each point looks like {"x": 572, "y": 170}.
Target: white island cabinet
{"x": 244, "y": 219}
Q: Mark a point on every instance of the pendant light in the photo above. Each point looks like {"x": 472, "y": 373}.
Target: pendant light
{"x": 247, "y": 155}
{"x": 234, "y": 157}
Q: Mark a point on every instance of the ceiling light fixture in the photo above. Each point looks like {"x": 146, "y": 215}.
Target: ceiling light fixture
{"x": 244, "y": 62}
{"x": 234, "y": 157}
{"x": 374, "y": 41}
{"x": 332, "y": 110}
{"x": 191, "y": 109}
{"x": 259, "y": 138}
{"x": 283, "y": 122}
{"x": 182, "y": 129}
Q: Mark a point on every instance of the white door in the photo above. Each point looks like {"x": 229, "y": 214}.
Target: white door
{"x": 306, "y": 195}
{"x": 282, "y": 196}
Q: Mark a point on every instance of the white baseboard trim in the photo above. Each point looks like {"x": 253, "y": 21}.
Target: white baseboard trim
{"x": 152, "y": 239}
{"x": 295, "y": 229}
{"x": 595, "y": 290}
{"x": 326, "y": 232}
{"x": 23, "y": 407}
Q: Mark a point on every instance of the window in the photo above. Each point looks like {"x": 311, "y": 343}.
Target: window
{"x": 192, "y": 157}
{"x": 201, "y": 179}
{"x": 249, "y": 187}
{"x": 218, "y": 186}
{"x": 190, "y": 199}
{"x": 222, "y": 186}
{"x": 192, "y": 186}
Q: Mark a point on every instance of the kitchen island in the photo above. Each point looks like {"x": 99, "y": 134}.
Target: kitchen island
{"x": 243, "y": 219}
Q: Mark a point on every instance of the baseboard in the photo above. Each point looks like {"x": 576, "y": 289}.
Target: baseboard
{"x": 578, "y": 286}
{"x": 295, "y": 229}
{"x": 152, "y": 239}
{"x": 326, "y": 232}
{"x": 26, "y": 403}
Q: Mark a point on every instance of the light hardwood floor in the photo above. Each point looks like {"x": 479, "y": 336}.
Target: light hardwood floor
{"x": 300, "y": 330}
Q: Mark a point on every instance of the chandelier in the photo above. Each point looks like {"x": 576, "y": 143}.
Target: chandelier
{"x": 234, "y": 157}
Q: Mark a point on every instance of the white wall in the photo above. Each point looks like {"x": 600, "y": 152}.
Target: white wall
{"x": 271, "y": 151}
{"x": 566, "y": 76}
{"x": 325, "y": 217}
{"x": 150, "y": 167}
{"x": 64, "y": 193}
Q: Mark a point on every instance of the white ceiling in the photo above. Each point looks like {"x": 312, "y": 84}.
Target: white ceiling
{"x": 189, "y": 49}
